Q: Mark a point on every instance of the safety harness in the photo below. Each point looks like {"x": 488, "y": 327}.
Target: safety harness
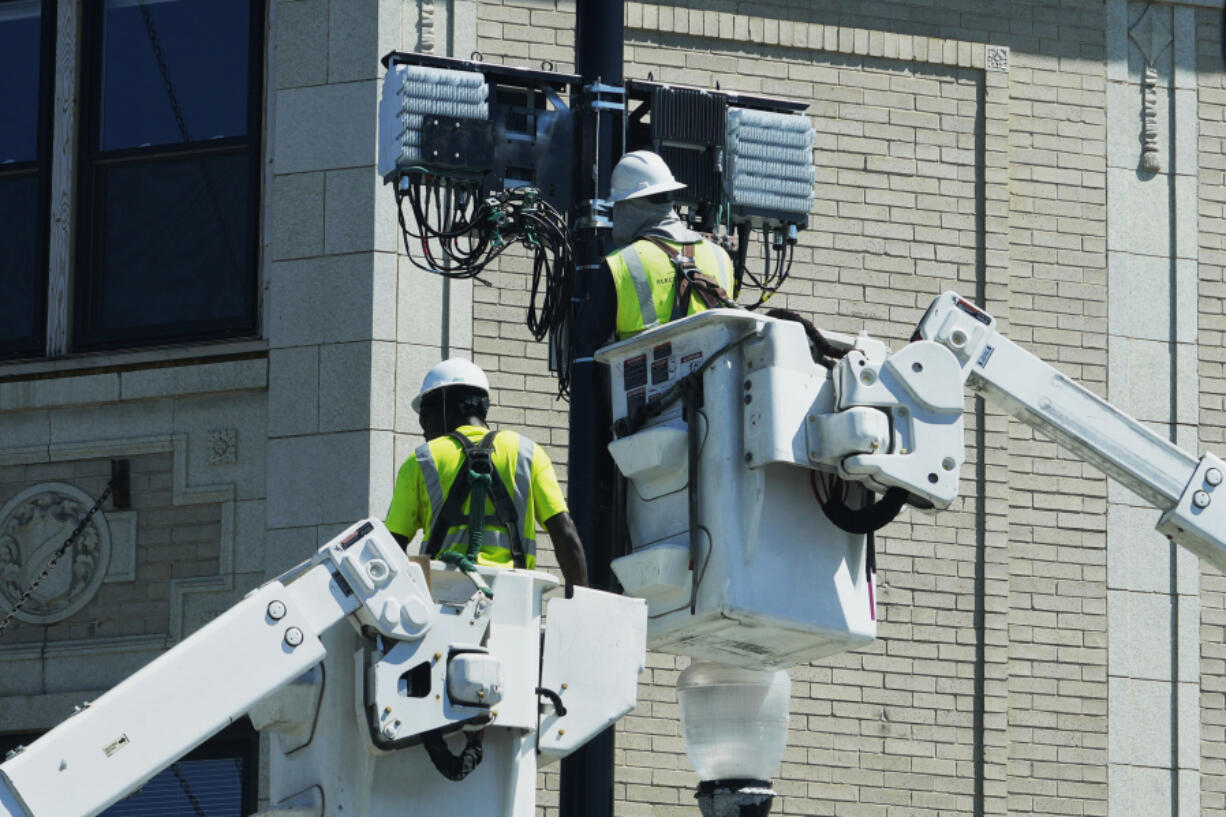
{"x": 477, "y": 479}
{"x": 690, "y": 281}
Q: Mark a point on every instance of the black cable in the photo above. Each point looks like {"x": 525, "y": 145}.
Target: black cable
{"x": 867, "y": 519}
{"x": 555, "y": 699}
{"x": 186, "y": 788}
{"x": 742, "y": 252}
{"x": 60, "y": 551}
{"x": 824, "y": 352}
{"x": 776, "y": 265}
{"x": 450, "y": 766}
{"x": 698, "y": 572}
{"x": 458, "y": 234}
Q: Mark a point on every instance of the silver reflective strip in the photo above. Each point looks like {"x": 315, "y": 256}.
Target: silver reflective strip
{"x": 642, "y": 287}
{"x": 490, "y": 538}
{"x": 459, "y": 536}
{"x": 523, "y": 489}
{"x": 429, "y": 472}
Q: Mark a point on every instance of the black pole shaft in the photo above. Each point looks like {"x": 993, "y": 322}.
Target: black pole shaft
{"x": 587, "y": 775}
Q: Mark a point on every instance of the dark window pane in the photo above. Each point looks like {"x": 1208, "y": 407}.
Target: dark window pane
{"x": 175, "y": 249}
{"x": 189, "y": 788}
{"x": 20, "y": 25}
{"x": 173, "y": 71}
{"x": 21, "y": 284}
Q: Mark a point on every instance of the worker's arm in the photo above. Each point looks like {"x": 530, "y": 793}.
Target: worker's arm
{"x": 568, "y": 548}
{"x": 404, "y": 517}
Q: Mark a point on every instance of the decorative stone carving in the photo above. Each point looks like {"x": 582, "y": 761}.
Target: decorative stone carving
{"x": 223, "y": 446}
{"x": 425, "y": 26}
{"x": 33, "y": 526}
{"x": 1151, "y": 153}
{"x": 1152, "y": 35}
{"x": 996, "y": 58}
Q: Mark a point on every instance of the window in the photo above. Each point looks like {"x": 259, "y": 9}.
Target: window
{"x": 169, "y": 171}
{"x": 218, "y": 779}
{"x": 25, "y": 92}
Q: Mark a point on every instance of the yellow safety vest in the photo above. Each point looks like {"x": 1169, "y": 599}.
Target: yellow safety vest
{"x": 441, "y": 461}
{"x": 646, "y": 279}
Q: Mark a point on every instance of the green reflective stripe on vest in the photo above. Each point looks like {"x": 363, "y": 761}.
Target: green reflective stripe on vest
{"x": 642, "y": 286}
{"x": 429, "y": 473}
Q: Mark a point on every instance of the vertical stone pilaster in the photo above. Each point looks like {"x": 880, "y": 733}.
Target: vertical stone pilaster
{"x": 348, "y": 325}
{"x": 433, "y": 315}
{"x": 1153, "y": 608}
{"x": 353, "y": 324}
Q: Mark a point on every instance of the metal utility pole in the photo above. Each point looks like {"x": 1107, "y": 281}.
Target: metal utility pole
{"x": 587, "y": 775}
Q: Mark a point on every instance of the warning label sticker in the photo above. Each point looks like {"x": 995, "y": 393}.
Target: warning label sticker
{"x": 691, "y": 362}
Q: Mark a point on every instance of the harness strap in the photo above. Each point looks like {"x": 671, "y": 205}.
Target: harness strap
{"x": 687, "y": 270}
{"x": 504, "y": 506}
{"x": 691, "y": 279}
{"x": 476, "y": 478}
{"x": 450, "y": 512}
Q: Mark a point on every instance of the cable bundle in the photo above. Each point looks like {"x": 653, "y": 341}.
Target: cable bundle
{"x": 458, "y": 235}
{"x": 778, "y": 250}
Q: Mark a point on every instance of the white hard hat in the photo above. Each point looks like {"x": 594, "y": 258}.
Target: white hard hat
{"x": 641, "y": 173}
{"x": 455, "y": 371}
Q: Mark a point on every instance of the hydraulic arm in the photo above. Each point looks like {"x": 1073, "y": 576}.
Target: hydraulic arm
{"x": 428, "y": 654}
{"x": 1170, "y": 479}
{"x": 107, "y": 750}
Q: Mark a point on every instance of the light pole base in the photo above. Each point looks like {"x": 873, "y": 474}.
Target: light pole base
{"x": 734, "y": 797}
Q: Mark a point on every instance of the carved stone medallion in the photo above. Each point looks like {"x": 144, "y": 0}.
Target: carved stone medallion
{"x": 223, "y": 446}
{"x": 33, "y": 526}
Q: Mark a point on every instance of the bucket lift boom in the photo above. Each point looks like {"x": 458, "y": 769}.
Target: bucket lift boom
{"x": 1175, "y": 482}
{"x": 427, "y": 653}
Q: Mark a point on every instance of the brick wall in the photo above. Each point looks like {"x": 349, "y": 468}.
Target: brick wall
{"x": 1212, "y": 323}
{"x": 1057, "y": 308}
{"x": 987, "y": 689}
{"x": 172, "y": 542}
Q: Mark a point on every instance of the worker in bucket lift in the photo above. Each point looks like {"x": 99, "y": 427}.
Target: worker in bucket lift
{"x": 663, "y": 270}
{"x": 511, "y": 477}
